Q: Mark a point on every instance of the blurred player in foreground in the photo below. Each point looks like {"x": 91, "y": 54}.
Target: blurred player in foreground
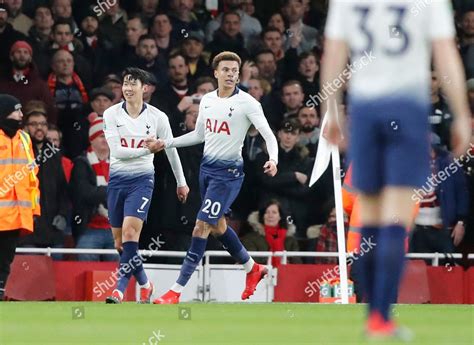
{"x": 389, "y": 132}
{"x": 225, "y": 116}
{"x": 130, "y": 127}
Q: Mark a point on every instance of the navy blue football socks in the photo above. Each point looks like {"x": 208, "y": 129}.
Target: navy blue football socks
{"x": 127, "y": 264}
{"x": 367, "y": 263}
{"x": 232, "y": 244}
{"x": 389, "y": 263}
{"x": 192, "y": 259}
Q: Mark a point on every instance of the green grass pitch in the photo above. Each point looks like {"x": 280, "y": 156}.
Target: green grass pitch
{"x": 89, "y": 323}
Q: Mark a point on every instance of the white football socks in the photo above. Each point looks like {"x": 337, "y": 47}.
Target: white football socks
{"x": 177, "y": 288}
{"x": 146, "y": 285}
{"x": 249, "y": 265}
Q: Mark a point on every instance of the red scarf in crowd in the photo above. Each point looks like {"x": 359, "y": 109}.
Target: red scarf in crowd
{"x": 101, "y": 169}
{"x": 52, "y": 81}
{"x": 275, "y": 237}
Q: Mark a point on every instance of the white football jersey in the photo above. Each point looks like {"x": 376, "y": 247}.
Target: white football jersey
{"x": 126, "y": 138}
{"x": 390, "y": 43}
{"x": 222, "y": 124}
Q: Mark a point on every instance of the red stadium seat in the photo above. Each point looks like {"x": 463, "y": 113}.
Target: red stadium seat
{"x": 414, "y": 287}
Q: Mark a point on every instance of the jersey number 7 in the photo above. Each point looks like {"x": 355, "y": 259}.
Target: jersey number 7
{"x": 396, "y": 30}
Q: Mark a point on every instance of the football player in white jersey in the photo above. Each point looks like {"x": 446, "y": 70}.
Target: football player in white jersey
{"x": 225, "y": 116}
{"x": 129, "y": 127}
{"x": 389, "y": 131}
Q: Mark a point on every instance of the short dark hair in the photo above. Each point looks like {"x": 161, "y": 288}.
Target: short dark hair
{"x": 305, "y": 55}
{"x": 146, "y": 37}
{"x": 62, "y": 21}
{"x": 270, "y": 29}
{"x": 290, "y": 125}
{"x": 283, "y": 223}
{"x": 53, "y": 127}
{"x": 292, "y": 82}
{"x": 225, "y": 56}
{"x": 176, "y": 54}
{"x": 263, "y": 51}
{"x": 136, "y": 74}
{"x": 204, "y": 80}
{"x": 230, "y": 13}
{"x": 143, "y": 21}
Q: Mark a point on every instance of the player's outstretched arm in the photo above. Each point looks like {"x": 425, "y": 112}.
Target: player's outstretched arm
{"x": 189, "y": 139}
{"x": 258, "y": 119}
{"x": 113, "y": 140}
{"x": 163, "y": 131}
{"x": 449, "y": 66}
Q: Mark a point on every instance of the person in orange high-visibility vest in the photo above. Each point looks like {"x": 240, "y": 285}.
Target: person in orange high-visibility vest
{"x": 19, "y": 189}
{"x": 351, "y": 206}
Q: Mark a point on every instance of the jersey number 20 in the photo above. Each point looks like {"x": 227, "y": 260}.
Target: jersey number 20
{"x": 395, "y": 29}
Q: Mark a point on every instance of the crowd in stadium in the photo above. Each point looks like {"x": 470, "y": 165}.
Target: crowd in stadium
{"x": 63, "y": 59}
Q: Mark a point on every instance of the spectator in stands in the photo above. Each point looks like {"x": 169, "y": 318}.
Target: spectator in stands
{"x": 440, "y": 117}
{"x": 228, "y": 37}
{"x": 327, "y": 239}
{"x": 273, "y": 39}
{"x": 88, "y": 185}
{"x": 55, "y": 136}
{"x": 97, "y": 50}
{"x": 204, "y": 85}
{"x": 192, "y": 48}
{"x": 172, "y": 97}
{"x": 114, "y": 84}
{"x": 467, "y": 42}
{"x": 290, "y": 184}
{"x": 113, "y": 25}
{"x": 307, "y": 36}
{"x": 248, "y": 7}
{"x": 308, "y": 68}
{"x": 183, "y": 19}
{"x": 250, "y": 26}
{"x": 271, "y": 232}
{"x": 62, "y": 9}
{"x": 16, "y": 219}
{"x": 8, "y": 35}
{"x": 17, "y": 18}
{"x": 63, "y": 38}
{"x": 444, "y": 204}
{"x": 64, "y": 84}
{"x": 277, "y": 21}
{"x": 49, "y": 227}
{"x": 161, "y": 31}
{"x": 309, "y": 120}
{"x": 149, "y": 58}
{"x": 267, "y": 68}
{"x": 136, "y": 27}
{"x": 286, "y": 59}
{"x": 148, "y": 8}
{"x": 101, "y": 99}
{"x": 22, "y": 79}
{"x": 292, "y": 97}
{"x": 150, "y": 88}
{"x": 42, "y": 28}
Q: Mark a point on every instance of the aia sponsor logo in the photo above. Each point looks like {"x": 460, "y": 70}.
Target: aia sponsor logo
{"x": 132, "y": 143}
{"x": 216, "y": 126}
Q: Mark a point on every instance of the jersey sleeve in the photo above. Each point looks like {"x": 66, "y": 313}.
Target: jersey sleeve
{"x": 112, "y": 136}
{"x": 192, "y": 138}
{"x": 257, "y": 117}
{"x": 441, "y": 22}
{"x": 335, "y": 24}
{"x": 163, "y": 131}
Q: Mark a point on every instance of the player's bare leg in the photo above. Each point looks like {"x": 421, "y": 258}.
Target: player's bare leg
{"x": 255, "y": 272}
{"x": 385, "y": 217}
{"x": 130, "y": 261}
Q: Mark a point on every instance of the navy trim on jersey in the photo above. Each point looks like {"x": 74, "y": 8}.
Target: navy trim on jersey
{"x": 124, "y": 107}
{"x": 236, "y": 91}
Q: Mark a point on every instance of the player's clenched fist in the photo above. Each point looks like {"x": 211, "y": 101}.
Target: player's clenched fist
{"x": 182, "y": 193}
{"x": 154, "y": 145}
{"x": 270, "y": 168}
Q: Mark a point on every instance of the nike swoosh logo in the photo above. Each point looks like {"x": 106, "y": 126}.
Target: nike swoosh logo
{"x": 207, "y": 106}
{"x": 212, "y": 217}
{"x": 118, "y": 126}
{"x": 140, "y": 211}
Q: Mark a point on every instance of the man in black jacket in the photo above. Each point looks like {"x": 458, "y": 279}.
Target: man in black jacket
{"x": 89, "y": 179}
{"x": 50, "y": 226}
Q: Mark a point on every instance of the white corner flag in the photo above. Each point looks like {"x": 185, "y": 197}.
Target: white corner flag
{"x": 326, "y": 150}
